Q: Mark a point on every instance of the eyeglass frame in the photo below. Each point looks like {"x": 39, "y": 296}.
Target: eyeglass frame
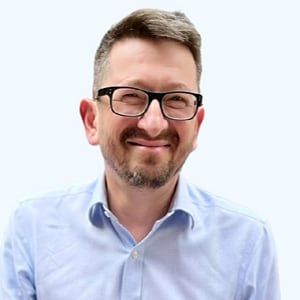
{"x": 108, "y": 91}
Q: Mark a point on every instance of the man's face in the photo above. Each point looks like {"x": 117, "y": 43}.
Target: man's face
{"x": 147, "y": 151}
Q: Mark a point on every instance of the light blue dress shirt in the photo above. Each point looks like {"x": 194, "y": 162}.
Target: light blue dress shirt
{"x": 68, "y": 245}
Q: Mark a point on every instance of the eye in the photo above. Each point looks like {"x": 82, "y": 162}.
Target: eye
{"x": 176, "y": 101}
{"x": 130, "y": 97}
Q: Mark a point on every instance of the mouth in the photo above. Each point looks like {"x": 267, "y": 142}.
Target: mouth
{"x": 146, "y": 143}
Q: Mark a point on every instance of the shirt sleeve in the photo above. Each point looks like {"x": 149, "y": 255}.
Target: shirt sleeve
{"x": 16, "y": 273}
{"x": 260, "y": 274}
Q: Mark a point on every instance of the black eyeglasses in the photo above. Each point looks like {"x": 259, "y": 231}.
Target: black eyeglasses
{"x": 133, "y": 102}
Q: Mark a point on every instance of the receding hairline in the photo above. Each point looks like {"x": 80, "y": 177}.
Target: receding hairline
{"x": 106, "y": 65}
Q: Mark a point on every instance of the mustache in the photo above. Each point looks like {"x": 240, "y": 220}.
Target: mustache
{"x": 133, "y": 132}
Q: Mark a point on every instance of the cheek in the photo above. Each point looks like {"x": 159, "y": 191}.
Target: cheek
{"x": 195, "y": 143}
{"x": 189, "y": 137}
{"x": 195, "y": 138}
{"x": 194, "y": 135}
{"x": 111, "y": 128}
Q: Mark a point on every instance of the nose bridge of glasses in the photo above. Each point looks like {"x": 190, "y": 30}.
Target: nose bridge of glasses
{"x": 155, "y": 96}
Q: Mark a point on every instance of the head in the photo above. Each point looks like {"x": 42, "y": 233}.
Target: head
{"x": 156, "y": 51}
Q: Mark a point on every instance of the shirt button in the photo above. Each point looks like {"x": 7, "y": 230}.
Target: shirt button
{"x": 135, "y": 254}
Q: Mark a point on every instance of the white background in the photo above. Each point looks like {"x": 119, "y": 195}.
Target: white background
{"x": 249, "y": 145}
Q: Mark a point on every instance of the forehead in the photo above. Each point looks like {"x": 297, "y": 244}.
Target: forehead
{"x": 153, "y": 64}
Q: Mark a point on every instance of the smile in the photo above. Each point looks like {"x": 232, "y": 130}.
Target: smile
{"x": 148, "y": 143}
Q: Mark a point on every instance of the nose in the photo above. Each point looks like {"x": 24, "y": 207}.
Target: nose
{"x": 153, "y": 121}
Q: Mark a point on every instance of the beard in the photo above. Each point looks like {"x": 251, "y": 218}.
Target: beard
{"x": 151, "y": 172}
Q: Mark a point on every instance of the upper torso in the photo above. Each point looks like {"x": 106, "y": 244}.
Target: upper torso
{"x": 70, "y": 246}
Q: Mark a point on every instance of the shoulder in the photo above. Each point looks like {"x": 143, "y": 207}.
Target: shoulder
{"x": 52, "y": 207}
{"x": 66, "y": 195}
{"x": 229, "y": 220}
{"x": 215, "y": 205}
{"x": 236, "y": 227}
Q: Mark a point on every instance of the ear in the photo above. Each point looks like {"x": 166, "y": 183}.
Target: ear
{"x": 199, "y": 120}
{"x": 88, "y": 112}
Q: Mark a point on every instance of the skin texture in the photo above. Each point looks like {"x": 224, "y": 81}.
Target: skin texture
{"x": 143, "y": 155}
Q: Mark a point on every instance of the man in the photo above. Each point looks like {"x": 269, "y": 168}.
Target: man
{"x": 140, "y": 231}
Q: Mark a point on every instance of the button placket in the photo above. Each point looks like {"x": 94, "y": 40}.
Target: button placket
{"x": 133, "y": 274}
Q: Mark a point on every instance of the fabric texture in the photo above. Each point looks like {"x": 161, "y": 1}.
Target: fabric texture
{"x": 68, "y": 245}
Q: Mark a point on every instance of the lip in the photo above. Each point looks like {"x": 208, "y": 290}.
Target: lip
{"x": 148, "y": 143}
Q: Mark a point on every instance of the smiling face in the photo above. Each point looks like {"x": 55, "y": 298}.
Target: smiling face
{"x": 145, "y": 151}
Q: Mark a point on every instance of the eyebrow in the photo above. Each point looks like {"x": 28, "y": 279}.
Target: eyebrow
{"x": 172, "y": 86}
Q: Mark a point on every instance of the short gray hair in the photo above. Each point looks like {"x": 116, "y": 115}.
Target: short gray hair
{"x": 151, "y": 24}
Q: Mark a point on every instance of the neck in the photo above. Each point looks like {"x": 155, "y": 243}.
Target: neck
{"x": 137, "y": 208}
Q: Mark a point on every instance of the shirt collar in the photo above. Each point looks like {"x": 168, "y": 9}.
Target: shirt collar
{"x": 183, "y": 201}
{"x": 98, "y": 202}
